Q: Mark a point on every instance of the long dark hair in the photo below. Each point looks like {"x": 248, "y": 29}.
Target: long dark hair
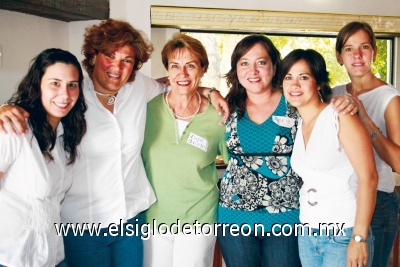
{"x": 28, "y": 96}
{"x": 317, "y": 66}
{"x": 237, "y": 93}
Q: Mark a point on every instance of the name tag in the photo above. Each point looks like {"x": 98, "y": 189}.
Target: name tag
{"x": 283, "y": 121}
{"x": 198, "y": 141}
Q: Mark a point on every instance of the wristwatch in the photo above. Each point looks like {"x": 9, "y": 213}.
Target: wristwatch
{"x": 359, "y": 238}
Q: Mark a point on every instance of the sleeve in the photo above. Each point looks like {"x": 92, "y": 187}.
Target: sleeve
{"x": 387, "y": 96}
{"x": 223, "y": 149}
{"x": 10, "y": 147}
{"x": 153, "y": 88}
{"x": 338, "y": 90}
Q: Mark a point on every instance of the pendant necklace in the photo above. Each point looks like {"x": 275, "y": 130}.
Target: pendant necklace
{"x": 179, "y": 116}
{"x": 110, "y": 97}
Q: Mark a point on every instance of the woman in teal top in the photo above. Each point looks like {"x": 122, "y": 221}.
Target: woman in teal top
{"x": 259, "y": 186}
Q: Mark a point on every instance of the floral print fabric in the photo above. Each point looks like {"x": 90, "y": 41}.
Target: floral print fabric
{"x": 262, "y": 181}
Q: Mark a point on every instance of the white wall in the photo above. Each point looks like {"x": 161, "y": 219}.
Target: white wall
{"x": 23, "y": 36}
{"x": 76, "y": 31}
{"x": 159, "y": 37}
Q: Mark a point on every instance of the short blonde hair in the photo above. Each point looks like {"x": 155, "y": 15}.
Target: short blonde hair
{"x": 183, "y": 41}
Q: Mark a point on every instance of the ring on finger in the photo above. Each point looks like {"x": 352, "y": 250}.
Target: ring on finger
{"x": 360, "y": 265}
{"x": 348, "y": 100}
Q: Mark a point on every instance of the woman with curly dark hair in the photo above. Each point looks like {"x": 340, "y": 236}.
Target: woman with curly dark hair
{"x": 34, "y": 172}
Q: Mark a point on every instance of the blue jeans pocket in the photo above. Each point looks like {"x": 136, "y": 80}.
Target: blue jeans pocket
{"x": 341, "y": 240}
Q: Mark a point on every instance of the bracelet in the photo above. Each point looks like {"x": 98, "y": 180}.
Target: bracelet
{"x": 374, "y": 134}
{"x": 209, "y": 93}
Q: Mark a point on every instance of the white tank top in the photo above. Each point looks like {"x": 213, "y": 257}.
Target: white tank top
{"x": 375, "y": 103}
{"x": 326, "y": 196}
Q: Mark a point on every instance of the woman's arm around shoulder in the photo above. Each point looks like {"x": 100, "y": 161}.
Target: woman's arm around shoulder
{"x": 13, "y": 119}
{"x": 217, "y": 100}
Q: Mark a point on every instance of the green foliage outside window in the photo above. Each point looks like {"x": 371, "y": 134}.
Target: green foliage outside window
{"x": 219, "y": 47}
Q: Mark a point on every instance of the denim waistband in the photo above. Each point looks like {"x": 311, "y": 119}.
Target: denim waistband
{"x": 383, "y": 193}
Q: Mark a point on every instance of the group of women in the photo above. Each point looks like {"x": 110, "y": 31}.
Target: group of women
{"x": 292, "y": 157}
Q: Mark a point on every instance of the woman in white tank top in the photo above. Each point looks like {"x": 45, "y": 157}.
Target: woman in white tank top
{"x": 329, "y": 148}
{"x": 379, "y": 105}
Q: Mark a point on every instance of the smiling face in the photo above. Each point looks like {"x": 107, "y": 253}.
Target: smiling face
{"x": 357, "y": 54}
{"x": 59, "y": 89}
{"x": 184, "y": 71}
{"x": 299, "y": 85}
{"x": 111, "y": 72}
{"x": 255, "y": 70}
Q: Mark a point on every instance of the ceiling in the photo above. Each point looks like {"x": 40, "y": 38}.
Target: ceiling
{"x": 64, "y": 10}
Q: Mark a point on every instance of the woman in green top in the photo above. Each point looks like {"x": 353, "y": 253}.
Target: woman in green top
{"x": 182, "y": 140}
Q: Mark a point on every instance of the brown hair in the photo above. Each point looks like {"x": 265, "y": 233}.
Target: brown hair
{"x": 28, "y": 96}
{"x": 108, "y": 36}
{"x": 349, "y": 29}
{"x": 183, "y": 41}
{"x": 237, "y": 93}
{"x": 317, "y": 66}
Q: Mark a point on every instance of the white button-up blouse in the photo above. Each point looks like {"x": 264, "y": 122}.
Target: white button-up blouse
{"x": 30, "y": 194}
{"x": 109, "y": 180}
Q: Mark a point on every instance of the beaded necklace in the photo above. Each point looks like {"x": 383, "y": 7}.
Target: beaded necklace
{"x": 183, "y": 117}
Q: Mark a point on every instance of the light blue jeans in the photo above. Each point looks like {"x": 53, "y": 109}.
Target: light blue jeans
{"x": 384, "y": 226}
{"x": 327, "y": 250}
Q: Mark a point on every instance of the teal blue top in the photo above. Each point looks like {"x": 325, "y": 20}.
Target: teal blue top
{"x": 259, "y": 185}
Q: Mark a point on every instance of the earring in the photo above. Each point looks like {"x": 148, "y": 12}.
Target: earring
{"x": 320, "y": 96}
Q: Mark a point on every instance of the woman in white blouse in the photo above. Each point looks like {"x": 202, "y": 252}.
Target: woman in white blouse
{"x": 110, "y": 187}
{"x": 34, "y": 168}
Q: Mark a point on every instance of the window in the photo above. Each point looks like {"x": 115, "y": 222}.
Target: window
{"x": 219, "y": 47}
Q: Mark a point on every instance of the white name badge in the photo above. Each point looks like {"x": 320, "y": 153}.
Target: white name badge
{"x": 283, "y": 121}
{"x": 198, "y": 141}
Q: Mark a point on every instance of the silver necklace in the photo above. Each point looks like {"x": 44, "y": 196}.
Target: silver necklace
{"x": 183, "y": 117}
{"x": 110, "y": 97}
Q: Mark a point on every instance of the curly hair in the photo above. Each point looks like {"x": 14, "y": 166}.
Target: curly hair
{"x": 237, "y": 93}
{"x": 28, "y": 96}
{"x": 108, "y": 36}
{"x": 317, "y": 66}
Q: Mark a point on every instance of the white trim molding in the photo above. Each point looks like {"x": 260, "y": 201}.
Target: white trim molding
{"x": 263, "y": 21}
